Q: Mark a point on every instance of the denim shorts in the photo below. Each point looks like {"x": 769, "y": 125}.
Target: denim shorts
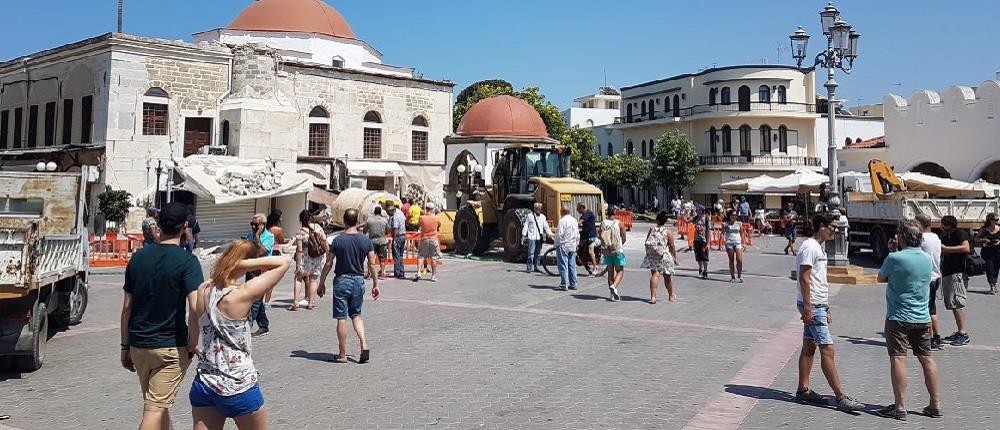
{"x": 348, "y": 296}
{"x": 819, "y": 330}
{"x": 245, "y": 403}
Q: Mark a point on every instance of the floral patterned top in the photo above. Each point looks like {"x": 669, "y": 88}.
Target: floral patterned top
{"x": 225, "y": 364}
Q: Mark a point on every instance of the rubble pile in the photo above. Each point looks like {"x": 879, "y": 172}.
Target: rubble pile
{"x": 247, "y": 182}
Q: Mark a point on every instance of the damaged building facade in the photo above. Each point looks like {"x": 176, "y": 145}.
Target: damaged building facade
{"x": 286, "y": 85}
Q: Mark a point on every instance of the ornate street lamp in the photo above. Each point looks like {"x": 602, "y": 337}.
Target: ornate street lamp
{"x": 841, "y": 50}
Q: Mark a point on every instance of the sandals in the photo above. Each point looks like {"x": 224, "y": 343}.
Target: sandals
{"x": 293, "y": 307}
{"x": 365, "y": 356}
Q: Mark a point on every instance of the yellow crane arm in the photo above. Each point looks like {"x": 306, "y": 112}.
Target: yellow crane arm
{"x": 884, "y": 180}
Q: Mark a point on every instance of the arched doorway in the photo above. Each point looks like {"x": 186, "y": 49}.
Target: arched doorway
{"x": 991, "y": 173}
{"x": 461, "y": 184}
{"x": 744, "y": 96}
{"x": 677, "y": 106}
{"x": 932, "y": 169}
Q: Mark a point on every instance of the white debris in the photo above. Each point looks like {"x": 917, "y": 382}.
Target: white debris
{"x": 244, "y": 181}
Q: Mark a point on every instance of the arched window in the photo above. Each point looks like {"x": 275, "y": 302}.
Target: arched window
{"x": 727, "y": 139}
{"x": 643, "y": 149}
{"x": 765, "y": 139}
{"x": 764, "y": 94}
{"x": 712, "y": 95}
{"x": 157, "y": 92}
{"x": 419, "y": 121}
{"x": 319, "y": 112}
{"x": 713, "y": 140}
{"x": 642, "y": 110}
{"x": 319, "y": 132}
{"x": 745, "y": 149}
{"x": 782, "y": 97}
{"x": 744, "y": 95}
{"x": 677, "y": 106}
{"x": 628, "y": 113}
{"x": 725, "y": 97}
{"x": 225, "y": 133}
{"x": 783, "y": 139}
{"x": 610, "y": 149}
{"x": 629, "y": 148}
{"x": 652, "y": 110}
{"x": 372, "y": 116}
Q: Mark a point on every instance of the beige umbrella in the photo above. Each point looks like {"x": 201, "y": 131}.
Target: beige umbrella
{"x": 802, "y": 181}
{"x": 741, "y": 185}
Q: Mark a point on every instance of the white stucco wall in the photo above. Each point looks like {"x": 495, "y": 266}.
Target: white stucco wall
{"x": 579, "y": 117}
{"x": 864, "y": 128}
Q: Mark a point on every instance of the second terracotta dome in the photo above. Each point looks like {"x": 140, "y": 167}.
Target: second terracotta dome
{"x": 297, "y": 16}
{"x": 502, "y": 116}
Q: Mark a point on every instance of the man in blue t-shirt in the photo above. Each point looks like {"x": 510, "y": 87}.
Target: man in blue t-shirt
{"x": 265, "y": 241}
{"x": 350, "y": 250}
{"x": 161, "y": 281}
{"x": 908, "y": 317}
{"x": 588, "y": 234}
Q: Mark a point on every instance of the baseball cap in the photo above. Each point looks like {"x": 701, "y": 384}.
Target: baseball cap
{"x": 173, "y": 216}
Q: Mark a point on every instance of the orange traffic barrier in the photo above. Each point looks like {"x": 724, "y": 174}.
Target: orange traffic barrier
{"x": 626, "y": 218}
{"x": 410, "y": 248}
{"x": 114, "y": 250}
{"x": 715, "y": 238}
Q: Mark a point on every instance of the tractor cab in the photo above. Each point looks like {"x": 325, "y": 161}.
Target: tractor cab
{"x": 515, "y": 165}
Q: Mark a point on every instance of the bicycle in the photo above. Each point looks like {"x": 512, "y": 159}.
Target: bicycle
{"x": 551, "y": 266}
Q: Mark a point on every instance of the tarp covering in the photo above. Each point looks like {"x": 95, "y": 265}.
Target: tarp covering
{"x": 374, "y": 168}
{"x": 224, "y": 179}
{"x": 802, "y": 181}
{"x": 744, "y": 184}
{"x": 942, "y": 187}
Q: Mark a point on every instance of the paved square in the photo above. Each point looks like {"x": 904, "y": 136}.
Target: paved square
{"x": 491, "y": 347}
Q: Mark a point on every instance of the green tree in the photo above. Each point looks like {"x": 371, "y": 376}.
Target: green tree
{"x": 675, "y": 162}
{"x": 626, "y": 170}
{"x": 586, "y": 165}
{"x": 114, "y": 204}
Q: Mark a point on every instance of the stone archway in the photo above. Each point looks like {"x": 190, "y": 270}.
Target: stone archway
{"x": 932, "y": 169}
{"x": 991, "y": 173}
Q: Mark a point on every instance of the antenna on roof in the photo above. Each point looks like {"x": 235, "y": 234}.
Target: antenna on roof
{"x": 120, "y": 7}
{"x": 605, "y": 76}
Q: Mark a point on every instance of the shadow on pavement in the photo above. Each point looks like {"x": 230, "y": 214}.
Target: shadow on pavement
{"x": 863, "y": 341}
{"x": 766, "y": 393}
{"x": 314, "y": 356}
{"x": 542, "y": 287}
{"x": 590, "y": 297}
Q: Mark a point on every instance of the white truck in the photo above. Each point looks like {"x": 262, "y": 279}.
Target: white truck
{"x": 43, "y": 261}
{"x": 873, "y": 220}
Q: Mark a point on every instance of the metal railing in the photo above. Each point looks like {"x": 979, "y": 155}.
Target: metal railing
{"x": 758, "y": 160}
{"x": 717, "y": 108}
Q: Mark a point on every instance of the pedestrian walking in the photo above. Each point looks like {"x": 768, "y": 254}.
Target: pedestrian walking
{"x": 989, "y": 238}
{"x": 535, "y": 231}
{"x": 377, "y": 228}
{"x": 588, "y": 234}
{"x": 656, "y": 203}
{"x": 813, "y": 302}
{"x": 661, "y": 258}
{"x": 954, "y": 283}
{"x": 908, "y": 273}
{"x": 151, "y": 227}
{"x": 412, "y": 216}
{"x": 264, "y": 241}
{"x": 274, "y": 226}
{"x": 429, "y": 248}
{"x": 733, "y": 232}
{"x": 788, "y": 224}
{"x": 348, "y": 255}
{"x": 612, "y": 242}
{"x": 702, "y": 228}
{"x": 677, "y": 206}
{"x": 397, "y": 226}
{"x": 226, "y": 385}
{"x": 744, "y": 210}
{"x": 192, "y": 234}
{"x": 931, "y": 244}
{"x": 567, "y": 242}
{"x": 310, "y": 255}
{"x": 406, "y": 207}
{"x": 161, "y": 281}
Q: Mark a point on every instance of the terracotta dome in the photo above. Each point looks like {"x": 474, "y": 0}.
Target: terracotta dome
{"x": 502, "y": 116}
{"x": 300, "y": 16}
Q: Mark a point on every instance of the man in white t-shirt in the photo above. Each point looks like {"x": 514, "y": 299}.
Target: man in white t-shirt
{"x": 931, "y": 244}
{"x": 814, "y": 306}
{"x": 676, "y": 204}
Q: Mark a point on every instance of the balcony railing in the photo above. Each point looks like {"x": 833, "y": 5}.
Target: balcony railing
{"x": 758, "y": 160}
{"x": 723, "y": 108}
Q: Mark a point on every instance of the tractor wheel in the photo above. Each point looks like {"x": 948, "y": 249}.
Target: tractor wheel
{"x": 470, "y": 237}
{"x": 513, "y": 250}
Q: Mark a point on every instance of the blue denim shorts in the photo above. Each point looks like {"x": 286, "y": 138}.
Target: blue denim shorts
{"x": 819, "y": 330}
{"x": 245, "y": 403}
{"x": 348, "y": 296}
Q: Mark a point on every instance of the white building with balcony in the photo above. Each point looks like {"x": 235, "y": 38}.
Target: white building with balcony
{"x": 595, "y": 109}
{"x": 744, "y": 121}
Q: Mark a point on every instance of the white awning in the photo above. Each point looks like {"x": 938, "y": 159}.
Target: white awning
{"x": 224, "y": 179}
{"x": 942, "y": 187}
{"x": 802, "y": 181}
{"x": 743, "y": 185}
{"x": 360, "y": 168}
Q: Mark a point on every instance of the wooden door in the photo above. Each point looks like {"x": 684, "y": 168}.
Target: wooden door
{"x": 197, "y": 133}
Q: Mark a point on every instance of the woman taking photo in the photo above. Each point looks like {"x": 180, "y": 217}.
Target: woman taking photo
{"x": 308, "y": 262}
{"x": 733, "y": 232}
{"x": 661, "y": 258}
{"x": 989, "y": 238}
{"x": 225, "y": 385}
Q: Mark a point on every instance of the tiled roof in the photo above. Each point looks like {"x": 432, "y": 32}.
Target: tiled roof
{"x": 875, "y": 142}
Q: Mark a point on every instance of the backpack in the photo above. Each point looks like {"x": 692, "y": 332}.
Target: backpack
{"x": 317, "y": 244}
{"x": 610, "y": 237}
{"x": 974, "y": 264}
{"x": 656, "y": 243}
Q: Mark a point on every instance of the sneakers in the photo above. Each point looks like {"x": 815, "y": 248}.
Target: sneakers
{"x": 891, "y": 412}
{"x": 936, "y": 343}
{"x": 434, "y": 278}
{"x": 417, "y": 278}
{"x": 960, "y": 340}
{"x": 809, "y": 396}
{"x": 614, "y": 294}
{"x": 951, "y": 338}
{"x": 847, "y": 404}
{"x": 260, "y": 332}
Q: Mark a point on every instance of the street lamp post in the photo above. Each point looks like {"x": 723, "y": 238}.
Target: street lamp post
{"x": 841, "y": 50}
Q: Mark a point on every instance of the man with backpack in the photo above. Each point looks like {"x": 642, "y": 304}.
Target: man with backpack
{"x": 612, "y": 240}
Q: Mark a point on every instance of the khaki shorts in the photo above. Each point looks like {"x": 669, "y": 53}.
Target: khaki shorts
{"x": 900, "y": 336}
{"x": 953, "y": 290}
{"x": 429, "y": 248}
{"x": 160, "y": 373}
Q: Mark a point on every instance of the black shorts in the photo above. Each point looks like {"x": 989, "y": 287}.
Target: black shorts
{"x": 701, "y": 251}
{"x": 900, "y": 336}
{"x": 935, "y": 284}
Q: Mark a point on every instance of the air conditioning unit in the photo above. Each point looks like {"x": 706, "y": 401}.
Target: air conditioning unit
{"x": 214, "y": 150}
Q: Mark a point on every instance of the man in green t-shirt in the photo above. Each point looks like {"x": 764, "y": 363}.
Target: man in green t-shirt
{"x": 161, "y": 282}
{"x": 908, "y": 317}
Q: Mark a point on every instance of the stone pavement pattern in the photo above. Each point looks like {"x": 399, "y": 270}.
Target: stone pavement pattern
{"x": 490, "y": 347}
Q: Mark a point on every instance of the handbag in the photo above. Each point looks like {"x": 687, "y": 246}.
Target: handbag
{"x": 975, "y": 265}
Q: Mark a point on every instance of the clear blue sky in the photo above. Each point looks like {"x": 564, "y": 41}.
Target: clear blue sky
{"x": 565, "y": 46}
